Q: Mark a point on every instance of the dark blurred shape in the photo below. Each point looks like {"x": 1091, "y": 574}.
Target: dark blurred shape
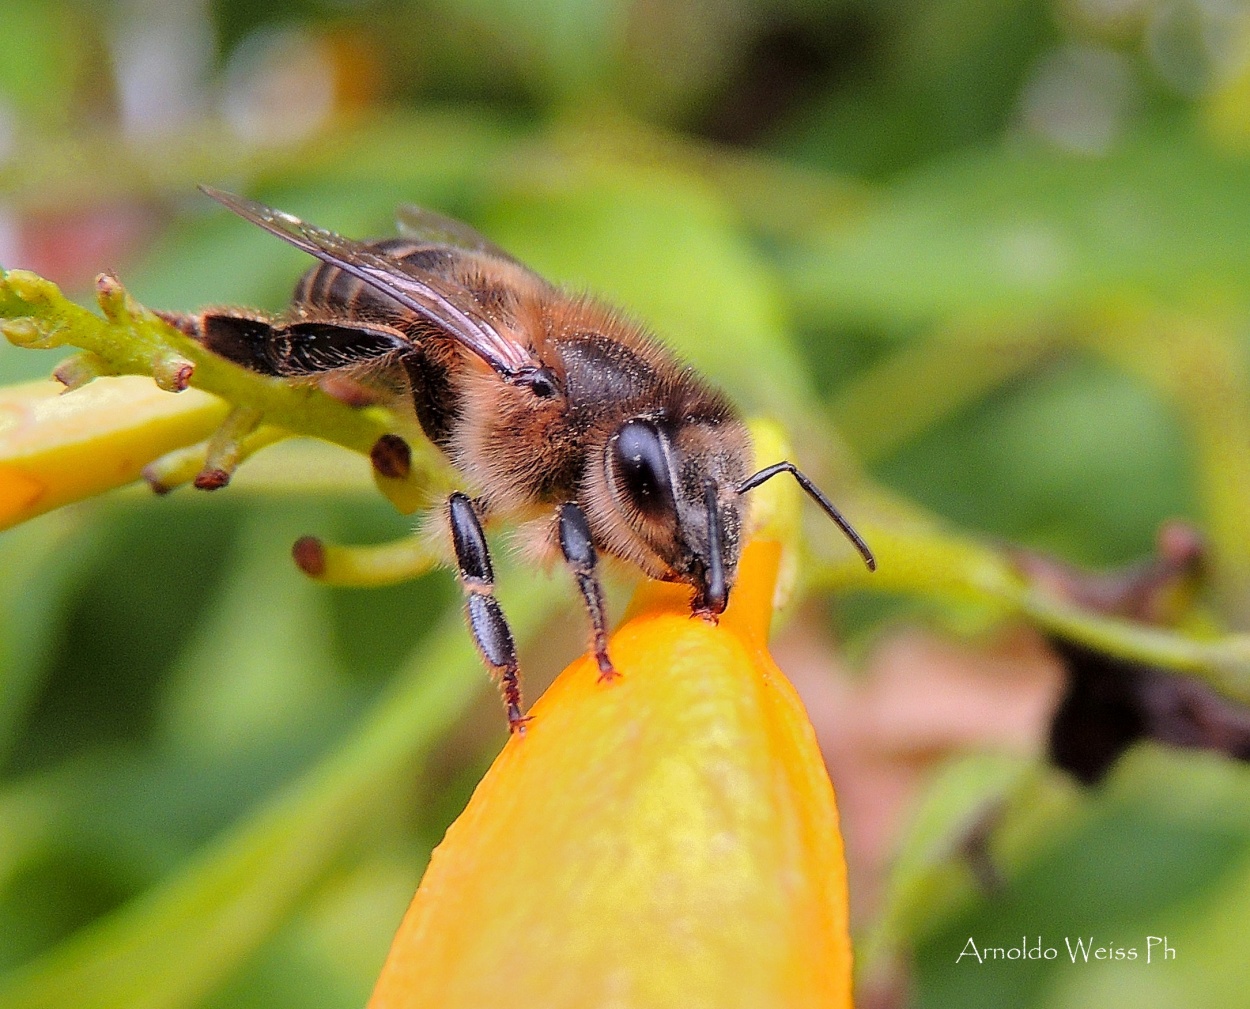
{"x": 788, "y": 65}
{"x": 1110, "y": 704}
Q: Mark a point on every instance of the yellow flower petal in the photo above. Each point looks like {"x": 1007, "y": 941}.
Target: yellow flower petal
{"x": 58, "y": 447}
{"x": 667, "y": 839}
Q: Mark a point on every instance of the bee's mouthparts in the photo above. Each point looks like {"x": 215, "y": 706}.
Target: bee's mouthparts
{"x": 715, "y": 591}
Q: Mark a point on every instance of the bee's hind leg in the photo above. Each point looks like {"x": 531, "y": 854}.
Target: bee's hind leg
{"x": 243, "y": 338}
{"x": 578, "y": 548}
{"x": 486, "y": 620}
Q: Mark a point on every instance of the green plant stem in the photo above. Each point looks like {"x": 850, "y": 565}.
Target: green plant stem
{"x": 131, "y": 340}
{"x": 920, "y": 558}
{"x": 171, "y": 946}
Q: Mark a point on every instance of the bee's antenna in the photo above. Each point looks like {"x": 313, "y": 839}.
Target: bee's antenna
{"x": 715, "y": 594}
{"x": 768, "y": 472}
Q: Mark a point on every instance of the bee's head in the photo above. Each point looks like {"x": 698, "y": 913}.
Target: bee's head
{"x": 675, "y": 485}
{"x": 677, "y": 493}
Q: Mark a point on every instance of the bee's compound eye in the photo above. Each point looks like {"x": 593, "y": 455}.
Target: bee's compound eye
{"x": 641, "y": 459}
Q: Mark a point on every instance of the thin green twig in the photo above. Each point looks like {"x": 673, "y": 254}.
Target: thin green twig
{"x": 919, "y": 557}
{"x": 130, "y": 340}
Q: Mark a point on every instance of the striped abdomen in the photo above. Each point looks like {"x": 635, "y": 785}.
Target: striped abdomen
{"x": 330, "y": 290}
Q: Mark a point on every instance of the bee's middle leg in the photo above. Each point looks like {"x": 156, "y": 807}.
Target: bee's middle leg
{"x": 578, "y": 548}
{"x": 486, "y": 620}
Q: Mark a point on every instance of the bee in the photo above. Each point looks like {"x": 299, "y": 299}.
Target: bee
{"x": 545, "y": 402}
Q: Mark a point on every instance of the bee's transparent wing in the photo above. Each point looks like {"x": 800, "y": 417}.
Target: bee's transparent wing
{"x": 445, "y": 305}
{"x": 422, "y": 225}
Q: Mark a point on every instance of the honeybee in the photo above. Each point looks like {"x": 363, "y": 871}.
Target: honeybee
{"x": 541, "y": 399}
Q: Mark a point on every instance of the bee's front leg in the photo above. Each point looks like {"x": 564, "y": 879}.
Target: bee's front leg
{"x": 579, "y": 552}
{"x": 486, "y": 620}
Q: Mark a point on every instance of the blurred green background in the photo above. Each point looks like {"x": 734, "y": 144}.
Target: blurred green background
{"x": 1000, "y": 247}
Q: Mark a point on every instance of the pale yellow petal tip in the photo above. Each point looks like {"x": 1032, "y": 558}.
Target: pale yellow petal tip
{"x": 666, "y": 839}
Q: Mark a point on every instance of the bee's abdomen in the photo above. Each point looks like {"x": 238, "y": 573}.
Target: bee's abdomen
{"x": 331, "y": 289}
